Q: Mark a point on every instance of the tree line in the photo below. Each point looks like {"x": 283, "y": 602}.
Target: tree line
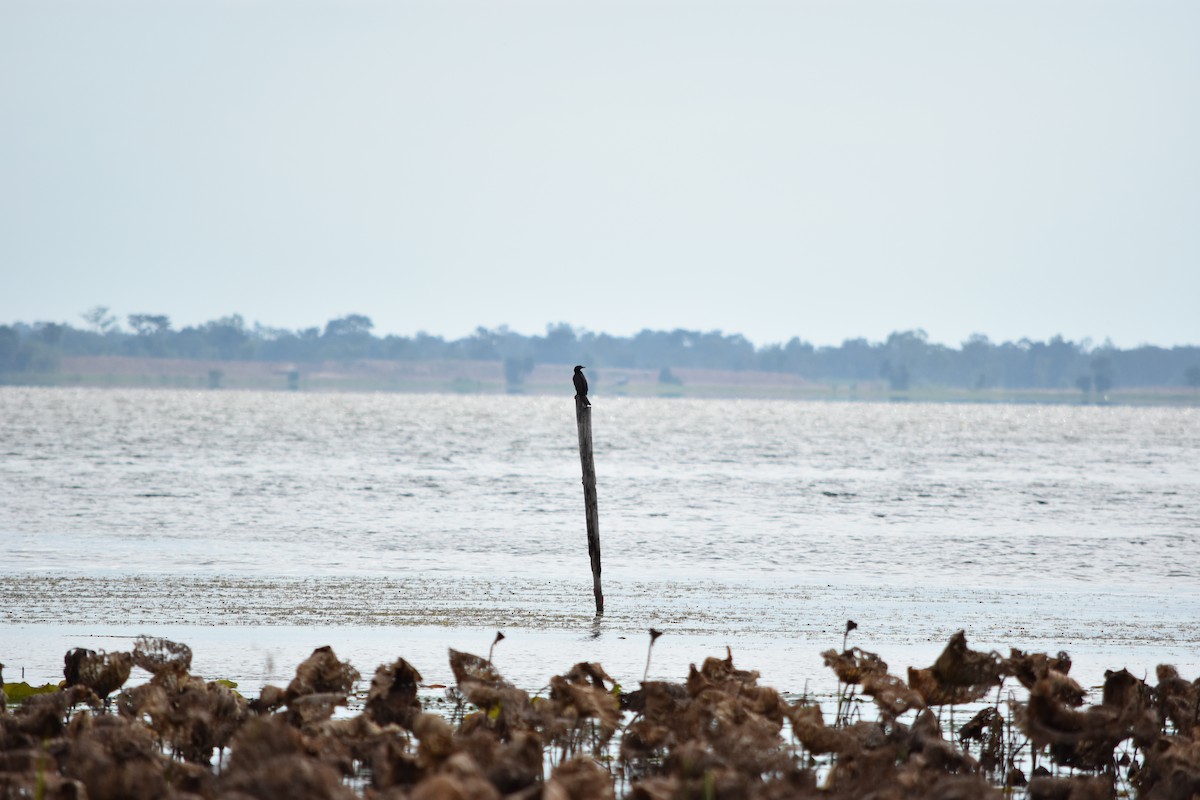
{"x": 905, "y": 359}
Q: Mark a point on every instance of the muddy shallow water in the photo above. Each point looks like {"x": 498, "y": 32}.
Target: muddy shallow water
{"x": 257, "y": 526}
{"x": 256, "y": 632}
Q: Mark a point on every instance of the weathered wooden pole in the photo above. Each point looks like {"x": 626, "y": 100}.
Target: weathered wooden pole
{"x": 583, "y": 417}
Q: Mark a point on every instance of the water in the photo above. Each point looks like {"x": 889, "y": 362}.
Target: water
{"x": 227, "y": 517}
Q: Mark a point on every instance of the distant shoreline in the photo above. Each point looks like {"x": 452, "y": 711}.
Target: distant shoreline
{"x": 487, "y": 377}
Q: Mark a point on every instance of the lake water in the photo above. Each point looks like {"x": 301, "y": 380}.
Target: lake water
{"x": 256, "y": 526}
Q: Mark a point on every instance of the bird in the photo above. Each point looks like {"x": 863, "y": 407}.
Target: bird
{"x": 581, "y": 386}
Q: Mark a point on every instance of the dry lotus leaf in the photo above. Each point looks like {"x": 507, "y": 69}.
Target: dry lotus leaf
{"x": 157, "y": 655}
{"x": 393, "y": 694}
{"x": 854, "y": 665}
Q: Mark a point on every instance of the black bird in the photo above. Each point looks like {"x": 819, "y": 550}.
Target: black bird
{"x": 581, "y": 386}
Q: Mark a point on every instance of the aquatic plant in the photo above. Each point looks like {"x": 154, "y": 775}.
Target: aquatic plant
{"x": 654, "y": 634}
{"x": 191, "y": 717}
{"x": 392, "y": 698}
{"x": 719, "y": 733}
{"x": 499, "y": 638}
{"x": 101, "y": 672}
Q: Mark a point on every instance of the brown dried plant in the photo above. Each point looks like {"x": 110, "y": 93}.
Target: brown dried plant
{"x": 719, "y": 734}
{"x": 102, "y": 672}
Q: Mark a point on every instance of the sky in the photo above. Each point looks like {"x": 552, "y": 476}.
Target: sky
{"x": 827, "y": 169}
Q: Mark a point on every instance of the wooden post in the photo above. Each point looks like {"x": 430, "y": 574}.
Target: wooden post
{"x": 583, "y": 417}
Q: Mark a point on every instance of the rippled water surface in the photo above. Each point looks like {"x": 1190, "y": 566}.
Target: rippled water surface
{"x": 306, "y": 484}
{"x": 733, "y": 518}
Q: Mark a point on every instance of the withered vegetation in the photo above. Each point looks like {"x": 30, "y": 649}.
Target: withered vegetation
{"x": 1028, "y": 732}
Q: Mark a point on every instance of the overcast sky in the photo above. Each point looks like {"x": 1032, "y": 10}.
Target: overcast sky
{"x": 815, "y": 169}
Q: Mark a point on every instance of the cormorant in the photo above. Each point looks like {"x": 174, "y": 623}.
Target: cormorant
{"x": 581, "y": 386}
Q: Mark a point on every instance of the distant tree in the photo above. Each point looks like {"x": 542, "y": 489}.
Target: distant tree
{"x": 978, "y": 362}
{"x": 898, "y": 378}
{"x": 978, "y": 341}
{"x": 1045, "y": 364}
{"x": 484, "y": 345}
{"x": 1084, "y": 383}
{"x": 227, "y": 336}
{"x": 151, "y": 335}
{"x": 913, "y": 339}
{"x": 855, "y": 359}
{"x": 347, "y": 337}
{"x": 10, "y": 344}
{"x": 50, "y": 333}
{"x": 99, "y": 318}
{"x": 427, "y": 346}
{"x": 908, "y": 350}
{"x": 37, "y": 353}
{"x": 975, "y": 357}
{"x": 353, "y": 325}
{"x": 560, "y": 345}
{"x": 149, "y": 324}
{"x": 1102, "y": 373}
